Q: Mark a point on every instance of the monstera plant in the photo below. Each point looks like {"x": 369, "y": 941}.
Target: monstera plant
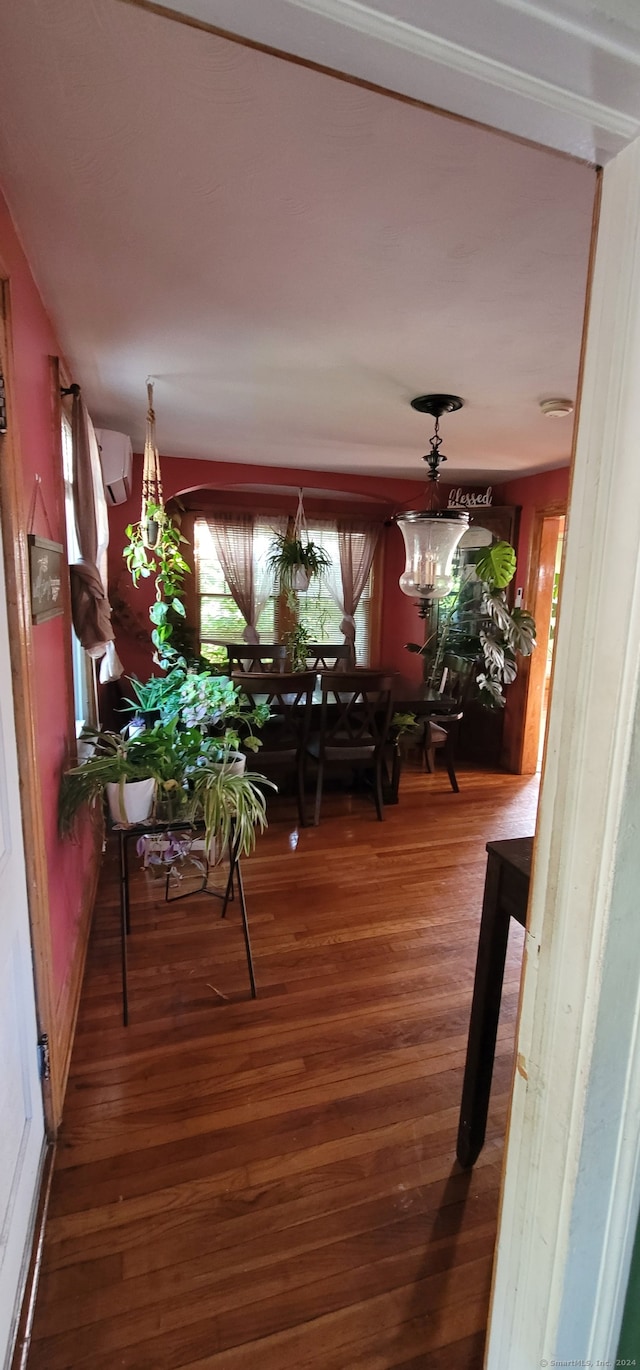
{"x": 476, "y": 624}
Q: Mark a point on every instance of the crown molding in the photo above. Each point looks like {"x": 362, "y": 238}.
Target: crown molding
{"x": 583, "y": 33}
{"x": 398, "y": 33}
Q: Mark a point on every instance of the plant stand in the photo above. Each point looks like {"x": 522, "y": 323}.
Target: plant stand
{"x": 234, "y": 878}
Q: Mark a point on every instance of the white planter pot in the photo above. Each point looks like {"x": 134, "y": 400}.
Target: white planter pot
{"x": 131, "y": 803}
{"x": 300, "y": 579}
{"x": 235, "y": 765}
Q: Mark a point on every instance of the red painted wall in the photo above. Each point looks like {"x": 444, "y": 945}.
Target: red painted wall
{"x": 531, "y": 493}
{"x": 34, "y": 342}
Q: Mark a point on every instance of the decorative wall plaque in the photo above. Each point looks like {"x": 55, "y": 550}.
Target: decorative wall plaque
{"x": 45, "y": 566}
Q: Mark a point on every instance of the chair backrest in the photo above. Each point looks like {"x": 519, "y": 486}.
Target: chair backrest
{"x": 457, "y": 678}
{"x": 256, "y": 656}
{"x": 290, "y": 697}
{"x": 328, "y": 656}
{"x": 356, "y": 711}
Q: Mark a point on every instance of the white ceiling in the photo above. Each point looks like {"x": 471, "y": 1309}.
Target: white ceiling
{"x": 292, "y": 257}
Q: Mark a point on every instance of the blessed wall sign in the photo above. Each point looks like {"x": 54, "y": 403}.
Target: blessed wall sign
{"x": 470, "y": 499}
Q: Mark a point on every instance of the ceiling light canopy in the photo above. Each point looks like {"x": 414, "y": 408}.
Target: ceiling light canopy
{"x": 431, "y": 535}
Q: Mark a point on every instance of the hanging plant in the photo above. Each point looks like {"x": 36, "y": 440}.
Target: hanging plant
{"x": 294, "y": 559}
{"x": 153, "y": 548}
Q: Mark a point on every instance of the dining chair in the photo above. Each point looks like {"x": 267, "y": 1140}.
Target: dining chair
{"x": 284, "y": 736}
{"x": 244, "y": 657}
{"x": 441, "y": 730}
{"x": 354, "y": 723}
{"x": 328, "y": 656}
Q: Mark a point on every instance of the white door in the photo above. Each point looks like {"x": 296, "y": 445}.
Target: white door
{"x": 21, "y": 1109}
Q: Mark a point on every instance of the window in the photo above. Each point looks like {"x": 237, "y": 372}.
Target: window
{"x": 220, "y": 620}
{"x": 319, "y": 611}
{"x": 84, "y": 689}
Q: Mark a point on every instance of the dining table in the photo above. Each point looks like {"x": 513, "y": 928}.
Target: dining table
{"x": 408, "y": 697}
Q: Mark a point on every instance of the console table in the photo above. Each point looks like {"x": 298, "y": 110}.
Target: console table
{"x": 506, "y": 894}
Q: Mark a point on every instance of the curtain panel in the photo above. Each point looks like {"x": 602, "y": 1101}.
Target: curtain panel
{"x": 233, "y": 538}
{"x": 90, "y": 608}
{"x": 357, "y": 542}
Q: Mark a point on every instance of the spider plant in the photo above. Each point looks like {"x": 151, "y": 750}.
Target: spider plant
{"x": 231, "y": 806}
{"x": 291, "y": 552}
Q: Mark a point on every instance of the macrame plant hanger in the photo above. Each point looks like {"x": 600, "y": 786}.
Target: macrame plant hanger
{"x": 300, "y": 578}
{"x": 300, "y": 521}
{"x": 152, "y": 511}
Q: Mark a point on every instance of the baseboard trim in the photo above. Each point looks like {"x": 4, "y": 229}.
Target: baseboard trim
{"x": 69, "y": 1000}
{"x": 28, "y": 1304}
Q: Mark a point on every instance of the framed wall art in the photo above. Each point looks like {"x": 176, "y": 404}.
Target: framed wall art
{"x": 45, "y": 567}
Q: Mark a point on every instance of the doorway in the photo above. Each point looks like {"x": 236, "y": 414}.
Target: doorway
{"x": 525, "y": 744}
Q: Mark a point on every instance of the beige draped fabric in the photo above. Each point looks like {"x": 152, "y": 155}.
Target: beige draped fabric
{"x": 357, "y": 543}
{"x": 91, "y": 611}
{"x": 233, "y": 537}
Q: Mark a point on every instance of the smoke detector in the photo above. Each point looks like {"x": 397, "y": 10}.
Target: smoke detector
{"x": 556, "y": 409}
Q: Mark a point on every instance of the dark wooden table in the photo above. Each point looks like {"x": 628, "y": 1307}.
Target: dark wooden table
{"x": 506, "y": 894}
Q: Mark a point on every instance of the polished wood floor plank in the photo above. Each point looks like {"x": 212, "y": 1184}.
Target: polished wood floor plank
{"x": 273, "y": 1182}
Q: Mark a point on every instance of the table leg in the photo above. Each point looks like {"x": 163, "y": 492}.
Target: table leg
{"x": 124, "y": 923}
{"x": 485, "y": 1011}
{"x": 228, "y": 893}
{"x": 245, "y": 925}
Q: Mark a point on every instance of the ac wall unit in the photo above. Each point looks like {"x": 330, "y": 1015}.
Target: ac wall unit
{"x": 116, "y": 456}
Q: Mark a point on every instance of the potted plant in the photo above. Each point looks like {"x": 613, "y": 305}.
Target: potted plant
{"x": 294, "y": 560}
{"x": 116, "y": 768}
{"x": 190, "y": 775}
{"x": 230, "y": 804}
{"x": 150, "y": 768}
{"x": 210, "y": 703}
{"x": 477, "y": 626}
{"x": 154, "y": 548}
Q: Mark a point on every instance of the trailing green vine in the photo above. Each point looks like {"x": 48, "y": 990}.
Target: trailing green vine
{"x": 165, "y": 562}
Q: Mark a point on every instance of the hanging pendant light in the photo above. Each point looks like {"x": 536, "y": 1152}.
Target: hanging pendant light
{"x": 431, "y": 535}
{"x": 152, "y": 514}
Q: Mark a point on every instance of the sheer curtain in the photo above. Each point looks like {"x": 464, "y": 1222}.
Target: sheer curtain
{"x": 233, "y": 538}
{"x": 90, "y": 608}
{"x": 357, "y": 543}
{"x": 243, "y": 548}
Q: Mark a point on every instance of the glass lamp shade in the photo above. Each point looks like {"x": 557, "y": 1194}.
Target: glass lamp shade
{"x": 430, "y": 538}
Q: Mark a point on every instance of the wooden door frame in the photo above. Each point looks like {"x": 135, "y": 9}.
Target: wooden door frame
{"x": 571, "y": 1188}
{"x": 14, "y": 532}
{"x": 538, "y": 599}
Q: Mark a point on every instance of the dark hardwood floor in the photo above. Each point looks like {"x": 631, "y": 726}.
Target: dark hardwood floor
{"x": 272, "y": 1183}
